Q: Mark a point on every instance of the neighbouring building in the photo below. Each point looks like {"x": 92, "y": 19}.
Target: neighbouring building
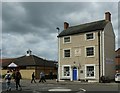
{"x": 28, "y": 64}
{"x": 117, "y": 60}
{"x": 87, "y": 51}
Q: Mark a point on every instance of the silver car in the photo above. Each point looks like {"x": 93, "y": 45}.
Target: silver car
{"x": 117, "y": 77}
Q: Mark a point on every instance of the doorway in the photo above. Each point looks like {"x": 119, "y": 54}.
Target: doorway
{"x": 74, "y": 73}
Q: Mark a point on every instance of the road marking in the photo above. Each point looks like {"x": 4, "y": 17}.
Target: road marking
{"x": 34, "y": 91}
{"x": 59, "y": 90}
{"x": 82, "y": 89}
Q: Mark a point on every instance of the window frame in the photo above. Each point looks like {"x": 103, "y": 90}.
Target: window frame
{"x": 64, "y": 40}
{"x": 90, "y": 77}
{"x": 64, "y": 52}
{"x": 90, "y": 38}
{"x": 63, "y": 76}
{"x": 93, "y": 51}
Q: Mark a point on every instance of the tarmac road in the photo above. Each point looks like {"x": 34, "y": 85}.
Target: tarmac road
{"x": 51, "y": 86}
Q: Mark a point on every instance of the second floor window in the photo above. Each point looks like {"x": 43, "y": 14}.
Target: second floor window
{"x": 90, "y": 51}
{"x": 67, "y": 39}
{"x": 67, "y": 53}
{"x": 89, "y": 36}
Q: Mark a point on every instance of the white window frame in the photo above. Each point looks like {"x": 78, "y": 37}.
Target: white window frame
{"x": 64, "y": 53}
{"x": 86, "y": 51}
{"x": 86, "y": 65}
{"x": 66, "y": 77}
{"x": 90, "y": 33}
{"x": 64, "y": 40}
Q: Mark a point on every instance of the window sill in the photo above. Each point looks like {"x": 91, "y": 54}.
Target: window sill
{"x": 90, "y": 56}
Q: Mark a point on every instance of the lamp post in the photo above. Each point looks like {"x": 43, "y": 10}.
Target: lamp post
{"x": 58, "y": 30}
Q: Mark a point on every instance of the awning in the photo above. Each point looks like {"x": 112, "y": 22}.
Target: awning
{"x": 12, "y": 65}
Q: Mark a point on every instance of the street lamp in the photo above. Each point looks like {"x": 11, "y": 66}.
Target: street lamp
{"x": 58, "y": 30}
{"x": 58, "y": 68}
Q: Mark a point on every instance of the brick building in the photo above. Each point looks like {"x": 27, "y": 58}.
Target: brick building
{"x": 28, "y": 64}
{"x": 117, "y": 60}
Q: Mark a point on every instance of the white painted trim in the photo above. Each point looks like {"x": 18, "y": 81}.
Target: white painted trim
{"x": 70, "y": 52}
{"x": 86, "y": 51}
{"x": 90, "y": 33}
{"x": 94, "y": 71}
{"x": 66, "y": 42}
{"x": 77, "y": 73}
{"x": 59, "y": 59}
{"x": 71, "y": 71}
{"x": 103, "y": 48}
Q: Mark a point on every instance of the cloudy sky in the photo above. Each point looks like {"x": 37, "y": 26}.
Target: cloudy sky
{"x": 32, "y": 25}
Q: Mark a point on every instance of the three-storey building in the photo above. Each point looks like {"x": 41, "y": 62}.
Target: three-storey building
{"x": 87, "y": 51}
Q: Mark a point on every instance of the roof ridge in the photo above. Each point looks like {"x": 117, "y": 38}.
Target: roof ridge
{"x": 88, "y": 23}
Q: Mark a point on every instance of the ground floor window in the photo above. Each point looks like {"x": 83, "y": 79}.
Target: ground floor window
{"x": 66, "y": 71}
{"x": 90, "y": 71}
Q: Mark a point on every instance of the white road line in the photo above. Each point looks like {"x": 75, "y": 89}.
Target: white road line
{"x": 59, "y": 90}
{"x": 82, "y": 89}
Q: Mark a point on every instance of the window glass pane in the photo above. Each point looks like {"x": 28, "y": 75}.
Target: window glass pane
{"x": 89, "y": 36}
{"x": 66, "y": 71}
{"x": 66, "y": 39}
{"x": 90, "y": 51}
{"x": 66, "y": 53}
{"x": 90, "y": 71}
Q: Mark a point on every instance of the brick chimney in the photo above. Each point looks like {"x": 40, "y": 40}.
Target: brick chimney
{"x": 66, "y": 25}
{"x": 107, "y": 16}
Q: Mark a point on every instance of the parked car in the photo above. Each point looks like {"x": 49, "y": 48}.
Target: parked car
{"x": 117, "y": 77}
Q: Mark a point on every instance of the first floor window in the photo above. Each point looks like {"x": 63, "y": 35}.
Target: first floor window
{"x": 66, "y": 71}
{"x": 67, "y": 53}
{"x": 90, "y": 51}
{"x": 90, "y": 71}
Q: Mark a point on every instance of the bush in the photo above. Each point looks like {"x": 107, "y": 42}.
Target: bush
{"x": 105, "y": 79}
{"x": 3, "y": 76}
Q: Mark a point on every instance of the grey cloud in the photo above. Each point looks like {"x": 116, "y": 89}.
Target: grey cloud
{"x": 32, "y": 25}
{"x": 118, "y": 41}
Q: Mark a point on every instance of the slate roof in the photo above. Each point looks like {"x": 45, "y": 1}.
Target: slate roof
{"x": 6, "y": 61}
{"x": 83, "y": 28}
{"x": 31, "y": 60}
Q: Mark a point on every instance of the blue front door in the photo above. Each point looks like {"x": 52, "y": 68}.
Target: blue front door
{"x": 74, "y": 73}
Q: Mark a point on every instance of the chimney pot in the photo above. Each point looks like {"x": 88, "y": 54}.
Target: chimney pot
{"x": 107, "y": 16}
{"x": 66, "y": 25}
